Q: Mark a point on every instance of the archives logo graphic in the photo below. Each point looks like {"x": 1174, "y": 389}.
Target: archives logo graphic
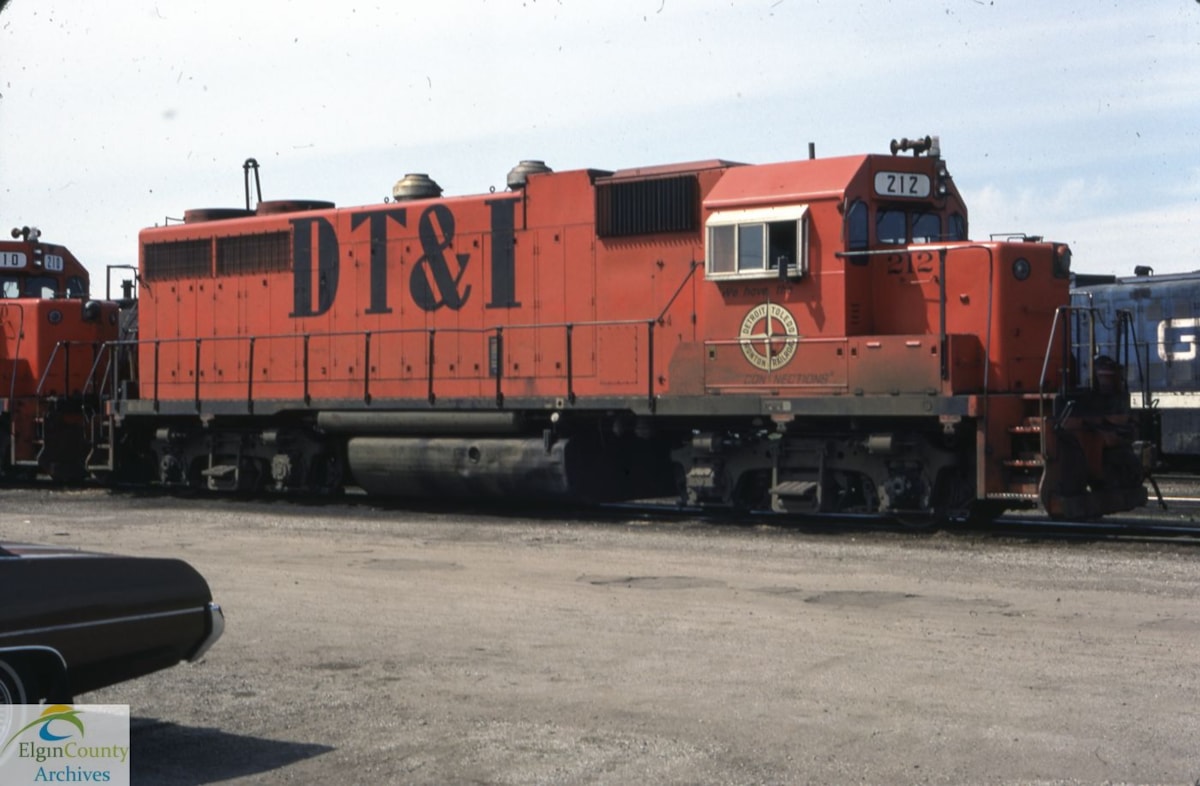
{"x": 64, "y": 743}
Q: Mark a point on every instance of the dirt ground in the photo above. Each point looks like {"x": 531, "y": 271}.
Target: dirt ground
{"x": 372, "y": 646}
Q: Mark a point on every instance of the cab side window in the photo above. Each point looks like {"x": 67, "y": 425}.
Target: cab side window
{"x": 753, "y": 243}
{"x": 958, "y": 227}
{"x": 750, "y": 247}
{"x": 857, "y": 227}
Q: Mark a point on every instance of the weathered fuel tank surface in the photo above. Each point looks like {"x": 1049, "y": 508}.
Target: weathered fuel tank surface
{"x": 576, "y": 469}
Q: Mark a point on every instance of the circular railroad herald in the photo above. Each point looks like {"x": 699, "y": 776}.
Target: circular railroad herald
{"x": 768, "y": 336}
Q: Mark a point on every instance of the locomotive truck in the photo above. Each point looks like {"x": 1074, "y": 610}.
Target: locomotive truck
{"x": 816, "y": 335}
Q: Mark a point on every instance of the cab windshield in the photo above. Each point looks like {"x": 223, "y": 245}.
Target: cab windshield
{"x": 898, "y": 226}
{"x": 41, "y": 287}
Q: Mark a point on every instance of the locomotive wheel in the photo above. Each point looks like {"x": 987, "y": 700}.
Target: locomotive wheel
{"x": 12, "y": 687}
{"x": 849, "y": 492}
{"x": 953, "y": 494}
{"x": 753, "y": 491}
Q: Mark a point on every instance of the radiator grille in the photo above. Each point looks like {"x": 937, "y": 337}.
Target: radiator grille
{"x": 262, "y": 253}
{"x": 643, "y": 207}
{"x": 177, "y": 259}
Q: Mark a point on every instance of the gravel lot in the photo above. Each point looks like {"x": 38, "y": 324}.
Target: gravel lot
{"x": 382, "y": 646}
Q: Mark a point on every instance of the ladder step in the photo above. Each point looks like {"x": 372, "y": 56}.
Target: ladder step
{"x": 220, "y": 471}
{"x": 794, "y": 488}
{"x": 1016, "y": 496}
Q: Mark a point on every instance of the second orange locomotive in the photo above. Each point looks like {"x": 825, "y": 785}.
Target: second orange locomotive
{"x": 816, "y": 335}
{"x": 53, "y": 340}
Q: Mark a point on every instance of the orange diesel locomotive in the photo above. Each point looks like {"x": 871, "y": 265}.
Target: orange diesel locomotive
{"x": 54, "y": 337}
{"x": 816, "y": 335}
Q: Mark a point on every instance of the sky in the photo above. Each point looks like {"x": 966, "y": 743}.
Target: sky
{"x": 1078, "y": 121}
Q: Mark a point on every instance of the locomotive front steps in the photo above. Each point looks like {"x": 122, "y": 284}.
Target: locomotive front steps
{"x": 794, "y": 496}
{"x": 1026, "y": 464}
{"x": 100, "y": 457}
{"x": 38, "y": 442}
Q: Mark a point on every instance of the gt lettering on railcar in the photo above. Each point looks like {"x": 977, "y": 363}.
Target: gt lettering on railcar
{"x": 1173, "y": 333}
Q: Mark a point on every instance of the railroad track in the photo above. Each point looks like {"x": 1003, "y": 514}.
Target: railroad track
{"x": 1178, "y": 524}
{"x": 1152, "y": 524}
{"x": 1122, "y": 529}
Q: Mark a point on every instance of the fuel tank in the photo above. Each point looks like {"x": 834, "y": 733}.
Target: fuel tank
{"x": 576, "y": 469}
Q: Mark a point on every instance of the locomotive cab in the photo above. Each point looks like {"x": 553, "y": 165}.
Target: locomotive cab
{"x": 932, "y": 362}
{"x": 40, "y": 271}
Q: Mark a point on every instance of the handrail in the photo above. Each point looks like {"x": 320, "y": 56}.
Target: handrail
{"x": 12, "y": 383}
{"x": 387, "y": 331}
{"x": 366, "y": 367}
{"x": 691, "y": 272}
{"x": 570, "y": 363}
{"x": 650, "y": 361}
{"x": 108, "y": 279}
{"x": 369, "y": 339}
{"x": 1054, "y": 326}
{"x": 499, "y": 367}
{"x": 46, "y": 370}
{"x": 1124, "y": 341}
{"x": 102, "y": 352}
{"x": 1060, "y": 314}
{"x": 1135, "y": 346}
{"x": 99, "y": 351}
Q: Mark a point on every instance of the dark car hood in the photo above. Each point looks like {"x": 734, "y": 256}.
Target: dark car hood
{"x": 51, "y": 584}
{"x": 8, "y": 549}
